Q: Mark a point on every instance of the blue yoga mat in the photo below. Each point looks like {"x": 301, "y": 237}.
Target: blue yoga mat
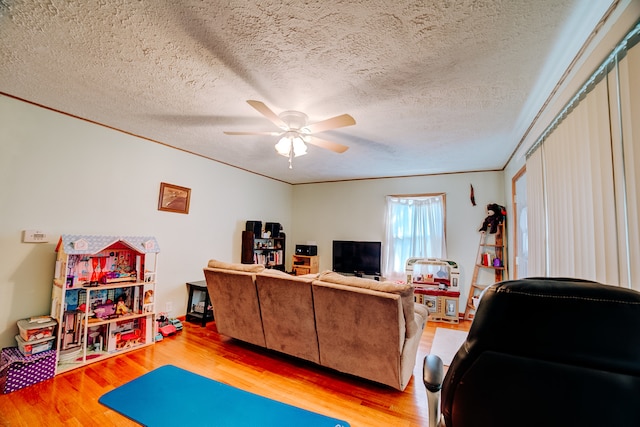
{"x": 170, "y": 396}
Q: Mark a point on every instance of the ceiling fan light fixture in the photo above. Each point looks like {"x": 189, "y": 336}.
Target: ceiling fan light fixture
{"x": 291, "y": 141}
{"x": 299, "y": 147}
{"x": 296, "y": 131}
{"x": 283, "y": 147}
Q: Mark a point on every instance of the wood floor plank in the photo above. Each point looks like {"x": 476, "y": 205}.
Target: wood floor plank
{"x": 72, "y": 397}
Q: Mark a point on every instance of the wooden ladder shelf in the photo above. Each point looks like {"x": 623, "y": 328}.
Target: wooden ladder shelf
{"x": 491, "y": 256}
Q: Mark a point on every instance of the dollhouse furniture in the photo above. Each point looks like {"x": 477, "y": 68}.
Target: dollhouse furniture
{"x": 128, "y": 339}
{"x": 98, "y": 297}
{"x": 373, "y": 332}
{"x": 543, "y": 352}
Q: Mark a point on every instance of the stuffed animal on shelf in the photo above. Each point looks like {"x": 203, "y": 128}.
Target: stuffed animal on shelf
{"x": 495, "y": 217}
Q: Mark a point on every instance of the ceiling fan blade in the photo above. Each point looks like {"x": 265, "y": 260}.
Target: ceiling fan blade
{"x": 266, "y": 111}
{"x": 253, "y": 133}
{"x": 323, "y": 143}
{"x": 332, "y": 123}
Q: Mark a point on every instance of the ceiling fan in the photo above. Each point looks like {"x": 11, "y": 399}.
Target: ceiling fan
{"x": 296, "y": 131}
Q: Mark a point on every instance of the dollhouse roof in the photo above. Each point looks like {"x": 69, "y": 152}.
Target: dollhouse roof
{"x": 87, "y": 244}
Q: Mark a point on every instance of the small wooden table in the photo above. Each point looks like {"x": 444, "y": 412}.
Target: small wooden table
{"x": 199, "y": 290}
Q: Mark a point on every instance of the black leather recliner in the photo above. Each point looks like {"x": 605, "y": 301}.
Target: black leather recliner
{"x": 543, "y": 352}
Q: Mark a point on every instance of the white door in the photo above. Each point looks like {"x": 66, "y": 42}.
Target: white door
{"x": 521, "y": 239}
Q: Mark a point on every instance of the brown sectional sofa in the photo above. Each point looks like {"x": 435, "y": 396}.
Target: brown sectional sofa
{"x": 357, "y": 326}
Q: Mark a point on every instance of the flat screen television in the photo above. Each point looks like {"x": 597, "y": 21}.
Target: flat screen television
{"x": 357, "y": 257}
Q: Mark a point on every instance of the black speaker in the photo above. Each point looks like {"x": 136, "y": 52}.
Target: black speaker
{"x": 273, "y": 227}
{"x": 256, "y": 227}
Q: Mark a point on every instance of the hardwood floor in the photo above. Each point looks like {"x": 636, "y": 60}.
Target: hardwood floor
{"x": 71, "y": 399}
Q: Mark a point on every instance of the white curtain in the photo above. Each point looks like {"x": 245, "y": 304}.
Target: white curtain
{"x": 415, "y": 227}
{"x": 582, "y": 184}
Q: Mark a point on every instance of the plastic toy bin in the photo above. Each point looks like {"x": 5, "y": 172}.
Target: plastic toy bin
{"x": 31, "y": 331}
{"x": 29, "y": 348}
{"x": 18, "y": 371}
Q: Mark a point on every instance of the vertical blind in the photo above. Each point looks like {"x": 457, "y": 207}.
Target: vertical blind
{"x": 582, "y": 183}
{"x": 626, "y": 137}
{"x": 536, "y": 215}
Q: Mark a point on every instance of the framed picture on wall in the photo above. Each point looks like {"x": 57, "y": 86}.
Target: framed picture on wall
{"x": 174, "y": 198}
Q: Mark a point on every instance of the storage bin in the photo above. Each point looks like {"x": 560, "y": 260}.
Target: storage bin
{"x": 31, "y": 331}
{"x": 29, "y": 348}
{"x": 18, "y": 371}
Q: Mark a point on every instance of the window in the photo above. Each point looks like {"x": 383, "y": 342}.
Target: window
{"x": 415, "y": 227}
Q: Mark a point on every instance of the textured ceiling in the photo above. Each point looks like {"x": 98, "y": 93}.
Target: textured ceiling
{"x": 434, "y": 86}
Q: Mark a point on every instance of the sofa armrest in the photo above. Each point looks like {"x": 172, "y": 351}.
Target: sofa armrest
{"x": 422, "y": 315}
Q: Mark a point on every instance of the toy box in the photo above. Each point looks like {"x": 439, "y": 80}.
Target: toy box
{"x": 37, "y": 330}
{"x": 29, "y": 348}
{"x": 18, "y": 371}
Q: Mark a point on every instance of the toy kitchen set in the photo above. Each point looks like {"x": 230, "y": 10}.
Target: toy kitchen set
{"x": 436, "y": 285}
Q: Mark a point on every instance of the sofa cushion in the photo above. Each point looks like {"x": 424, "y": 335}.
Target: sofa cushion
{"x": 279, "y": 273}
{"x": 250, "y": 268}
{"x": 288, "y": 317}
{"x": 405, "y": 291}
{"x": 235, "y": 303}
{"x": 275, "y": 273}
{"x": 358, "y": 331}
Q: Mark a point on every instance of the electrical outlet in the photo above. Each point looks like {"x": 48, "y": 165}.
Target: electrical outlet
{"x": 168, "y": 307}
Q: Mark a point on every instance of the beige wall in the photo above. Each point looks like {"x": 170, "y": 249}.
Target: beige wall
{"x": 64, "y": 175}
{"x": 355, "y": 211}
